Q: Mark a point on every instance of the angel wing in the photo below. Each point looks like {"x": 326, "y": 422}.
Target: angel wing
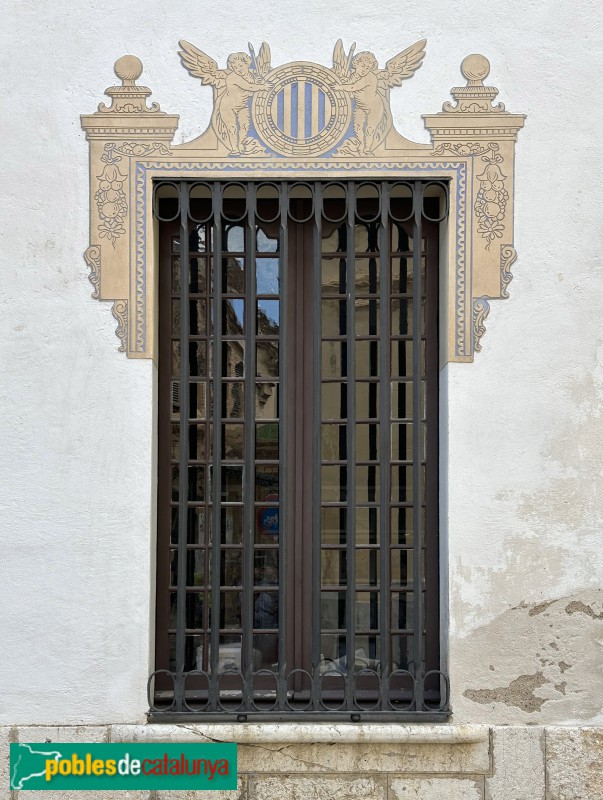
{"x": 200, "y": 65}
{"x": 402, "y": 66}
{"x": 342, "y": 63}
{"x": 262, "y": 61}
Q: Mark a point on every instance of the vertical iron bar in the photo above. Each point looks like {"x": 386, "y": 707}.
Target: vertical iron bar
{"x": 283, "y": 432}
{"x": 184, "y": 450}
{"x": 315, "y": 620}
{"x": 216, "y": 477}
{"x": 384, "y": 444}
{"x": 351, "y": 451}
{"x": 417, "y": 498}
{"x": 249, "y": 451}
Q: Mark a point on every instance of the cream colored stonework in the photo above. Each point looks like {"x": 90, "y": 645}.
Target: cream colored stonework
{"x": 302, "y": 121}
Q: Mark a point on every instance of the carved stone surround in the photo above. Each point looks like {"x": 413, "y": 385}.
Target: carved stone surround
{"x": 306, "y": 121}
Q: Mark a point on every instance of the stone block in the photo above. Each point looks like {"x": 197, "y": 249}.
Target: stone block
{"x": 68, "y": 734}
{"x": 240, "y": 793}
{"x": 405, "y": 788}
{"x": 574, "y": 763}
{"x": 468, "y": 758}
{"x": 318, "y": 787}
{"x": 518, "y": 771}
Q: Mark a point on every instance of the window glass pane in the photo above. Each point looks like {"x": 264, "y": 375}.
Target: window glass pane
{"x": 233, "y": 238}
{"x": 232, "y": 442}
{"x": 266, "y": 400}
{"x": 366, "y": 272}
{"x": 233, "y": 399}
{"x": 232, "y": 484}
{"x": 334, "y": 401}
{"x": 367, "y": 525}
{"x": 267, "y": 362}
{"x": 231, "y": 567}
{"x": 332, "y": 610}
{"x": 401, "y": 567}
{"x": 402, "y": 610}
{"x": 267, "y": 242}
{"x": 367, "y": 484}
{"x": 334, "y": 316}
{"x": 266, "y": 276}
{"x": 334, "y": 359}
{"x": 367, "y": 400}
{"x": 333, "y": 523}
{"x": 367, "y": 359}
{"x": 333, "y": 484}
{"x": 367, "y": 441}
{"x": 333, "y": 567}
{"x": 231, "y": 525}
{"x": 230, "y": 613}
{"x": 233, "y": 317}
{"x": 334, "y": 445}
{"x": 196, "y": 483}
{"x": 333, "y": 275}
{"x": 233, "y": 358}
{"x": 233, "y": 275}
{"x": 367, "y": 614}
{"x": 266, "y": 482}
{"x": 367, "y": 567}
{"x": 267, "y": 320}
{"x": 367, "y": 316}
{"x": 266, "y": 441}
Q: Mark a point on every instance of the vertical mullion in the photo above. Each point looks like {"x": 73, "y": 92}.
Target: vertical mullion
{"x": 351, "y": 451}
{"x": 315, "y": 620}
{"x": 249, "y": 451}
{"x": 418, "y": 649}
{"x": 282, "y": 446}
{"x": 216, "y": 478}
{"x": 184, "y": 449}
{"x": 384, "y": 444}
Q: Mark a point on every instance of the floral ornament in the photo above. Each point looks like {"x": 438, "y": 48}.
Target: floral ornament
{"x": 491, "y": 199}
{"x": 111, "y": 202}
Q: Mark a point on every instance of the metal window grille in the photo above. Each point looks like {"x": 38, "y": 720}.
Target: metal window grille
{"x": 297, "y": 518}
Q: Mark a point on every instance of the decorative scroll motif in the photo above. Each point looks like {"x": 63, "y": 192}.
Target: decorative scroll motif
{"x": 508, "y": 256}
{"x": 128, "y": 98}
{"x": 474, "y": 98}
{"x": 301, "y": 121}
{"x": 135, "y": 149}
{"x": 92, "y": 257}
{"x": 481, "y": 309}
{"x": 120, "y": 312}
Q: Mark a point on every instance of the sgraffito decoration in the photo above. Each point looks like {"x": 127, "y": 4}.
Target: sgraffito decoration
{"x": 304, "y": 121}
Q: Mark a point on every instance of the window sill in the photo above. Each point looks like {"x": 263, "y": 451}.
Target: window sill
{"x": 292, "y": 733}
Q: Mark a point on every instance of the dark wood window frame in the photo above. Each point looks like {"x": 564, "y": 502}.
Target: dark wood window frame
{"x": 305, "y": 308}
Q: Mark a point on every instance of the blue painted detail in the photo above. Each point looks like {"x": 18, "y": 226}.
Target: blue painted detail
{"x": 280, "y": 111}
{"x": 308, "y": 107}
{"x": 321, "y": 110}
{"x": 294, "y": 102}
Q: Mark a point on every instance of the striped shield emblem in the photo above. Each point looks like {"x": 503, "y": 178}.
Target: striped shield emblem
{"x": 301, "y": 110}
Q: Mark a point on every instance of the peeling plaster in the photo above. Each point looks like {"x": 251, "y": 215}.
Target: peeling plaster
{"x": 529, "y": 672}
{"x": 519, "y": 692}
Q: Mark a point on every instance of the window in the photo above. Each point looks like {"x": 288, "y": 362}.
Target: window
{"x": 298, "y": 450}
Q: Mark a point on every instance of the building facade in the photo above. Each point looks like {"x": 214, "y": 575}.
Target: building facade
{"x": 388, "y": 290}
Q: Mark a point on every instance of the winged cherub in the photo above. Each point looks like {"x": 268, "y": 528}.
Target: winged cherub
{"x": 232, "y": 87}
{"x": 369, "y": 87}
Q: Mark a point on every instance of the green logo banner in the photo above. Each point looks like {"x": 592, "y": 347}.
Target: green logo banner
{"x": 114, "y": 766}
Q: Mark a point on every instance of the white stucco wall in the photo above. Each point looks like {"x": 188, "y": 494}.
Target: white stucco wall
{"x": 524, "y": 491}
